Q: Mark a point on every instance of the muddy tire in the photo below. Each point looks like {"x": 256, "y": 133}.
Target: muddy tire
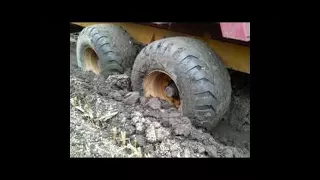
{"x": 202, "y": 80}
{"x": 105, "y": 49}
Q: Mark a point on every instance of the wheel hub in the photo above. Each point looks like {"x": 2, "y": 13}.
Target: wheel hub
{"x": 92, "y": 61}
{"x": 159, "y": 84}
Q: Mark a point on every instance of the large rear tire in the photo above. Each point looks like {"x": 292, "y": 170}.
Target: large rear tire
{"x": 201, "y": 79}
{"x": 105, "y": 49}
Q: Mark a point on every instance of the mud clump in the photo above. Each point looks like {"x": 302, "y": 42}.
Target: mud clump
{"x": 116, "y": 95}
{"x": 141, "y": 140}
{"x": 156, "y": 133}
{"x": 132, "y": 98}
{"x": 182, "y": 130}
{"x": 118, "y": 82}
{"x": 154, "y": 103}
{"x": 211, "y": 150}
{"x": 143, "y": 100}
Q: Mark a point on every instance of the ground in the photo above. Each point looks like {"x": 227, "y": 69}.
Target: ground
{"x": 107, "y": 119}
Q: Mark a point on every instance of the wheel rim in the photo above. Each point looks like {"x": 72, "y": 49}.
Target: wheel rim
{"x": 160, "y": 84}
{"x": 91, "y": 60}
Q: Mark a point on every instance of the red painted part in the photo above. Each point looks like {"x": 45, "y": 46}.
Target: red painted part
{"x": 238, "y": 31}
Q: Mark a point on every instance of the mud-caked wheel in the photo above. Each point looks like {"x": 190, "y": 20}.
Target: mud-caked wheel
{"x": 105, "y": 49}
{"x": 186, "y": 72}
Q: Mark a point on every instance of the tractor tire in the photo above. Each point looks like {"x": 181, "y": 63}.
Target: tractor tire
{"x": 105, "y": 49}
{"x": 202, "y": 80}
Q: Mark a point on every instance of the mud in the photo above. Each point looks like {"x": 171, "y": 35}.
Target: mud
{"x": 107, "y": 119}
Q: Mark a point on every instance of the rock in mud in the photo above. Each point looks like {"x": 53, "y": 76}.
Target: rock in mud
{"x": 141, "y": 140}
{"x": 150, "y": 119}
{"x": 174, "y": 147}
{"x": 156, "y": 124}
{"x": 201, "y": 149}
{"x": 122, "y": 92}
{"x": 175, "y": 154}
{"x": 99, "y": 80}
{"x": 154, "y": 103}
{"x": 182, "y": 129}
{"x": 151, "y": 134}
{"x": 197, "y": 134}
{"x": 174, "y": 121}
{"x": 127, "y": 95}
{"x": 211, "y": 150}
{"x": 153, "y": 114}
{"x": 143, "y": 100}
{"x": 116, "y": 95}
{"x": 165, "y": 104}
{"x": 165, "y": 122}
{"x": 148, "y": 148}
{"x": 130, "y": 130}
{"x": 162, "y": 133}
{"x": 154, "y": 134}
{"x": 147, "y": 121}
{"x": 132, "y": 99}
{"x": 186, "y": 152}
{"x": 114, "y": 142}
{"x": 174, "y": 114}
{"x": 236, "y": 153}
{"x": 90, "y": 99}
{"x": 140, "y": 127}
{"x": 207, "y": 139}
{"x": 185, "y": 120}
{"x": 228, "y": 153}
{"x": 121, "y": 81}
{"x": 136, "y": 117}
{"x": 163, "y": 149}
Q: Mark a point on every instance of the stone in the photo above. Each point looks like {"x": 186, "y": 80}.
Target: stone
{"x": 148, "y": 148}
{"x": 143, "y": 100}
{"x": 121, "y": 81}
{"x": 132, "y": 99}
{"x": 141, "y": 140}
{"x": 201, "y": 149}
{"x": 154, "y": 103}
{"x": 154, "y": 135}
{"x": 228, "y": 153}
{"x": 116, "y": 95}
{"x": 182, "y": 129}
{"x": 139, "y": 127}
{"x": 162, "y": 133}
{"x": 212, "y": 151}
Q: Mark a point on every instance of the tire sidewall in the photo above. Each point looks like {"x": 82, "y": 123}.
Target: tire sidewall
{"x": 83, "y": 43}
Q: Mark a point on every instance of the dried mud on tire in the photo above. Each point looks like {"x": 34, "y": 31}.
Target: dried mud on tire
{"x": 103, "y": 109}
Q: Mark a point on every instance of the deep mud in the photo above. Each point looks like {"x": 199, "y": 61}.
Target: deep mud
{"x": 107, "y": 119}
